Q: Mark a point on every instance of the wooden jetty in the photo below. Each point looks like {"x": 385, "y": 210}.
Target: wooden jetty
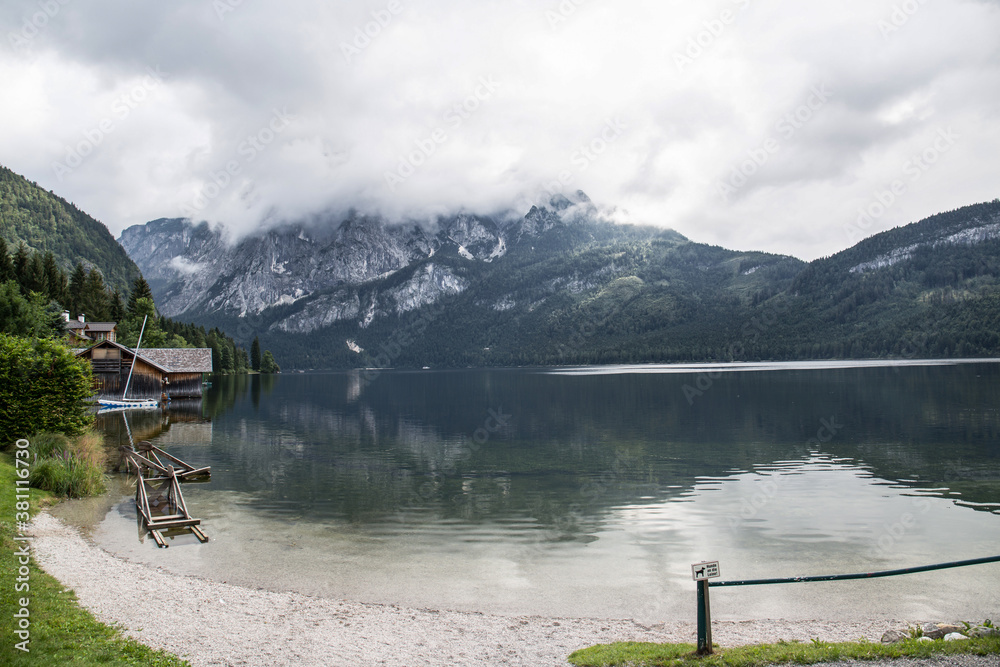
{"x": 158, "y": 496}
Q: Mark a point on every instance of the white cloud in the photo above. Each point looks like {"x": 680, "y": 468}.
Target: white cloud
{"x": 187, "y": 267}
{"x": 204, "y": 139}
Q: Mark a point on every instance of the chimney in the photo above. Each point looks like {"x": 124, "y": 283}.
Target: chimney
{"x": 81, "y": 318}
{"x": 65, "y": 316}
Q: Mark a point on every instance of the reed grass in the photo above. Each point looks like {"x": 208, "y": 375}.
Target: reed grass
{"x": 70, "y": 467}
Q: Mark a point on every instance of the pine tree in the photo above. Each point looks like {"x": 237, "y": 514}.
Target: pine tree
{"x": 140, "y": 290}
{"x": 228, "y": 363}
{"x": 76, "y": 284}
{"x": 94, "y": 299}
{"x": 22, "y": 266}
{"x": 36, "y": 281}
{"x": 6, "y": 265}
{"x": 117, "y": 309}
{"x": 255, "y": 354}
{"x": 242, "y": 363}
{"x": 55, "y": 279}
{"x": 197, "y": 337}
{"x": 213, "y": 342}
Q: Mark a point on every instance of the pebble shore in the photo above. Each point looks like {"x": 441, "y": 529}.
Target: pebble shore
{"x": 214, "y": 623}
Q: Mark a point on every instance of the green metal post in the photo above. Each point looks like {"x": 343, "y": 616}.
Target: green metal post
{"x": 704, "y": 620}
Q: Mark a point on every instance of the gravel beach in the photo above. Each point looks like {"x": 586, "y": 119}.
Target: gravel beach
{"x": 215, "y": 623}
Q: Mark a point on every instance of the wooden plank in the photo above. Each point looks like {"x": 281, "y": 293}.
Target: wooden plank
{"x": 182, "y": 464}
{"x": 186, "y": 469}
{"x": 142, "y": 501}
{"x": 177, "y": 523}
{"x": 153, "y": 457}
{"x": 196, "y": 472}
{"x": 159, "y": 540}
{"x": 141, "y": 461}
{"x": 179, "y": 498}
{"x": 199, "y": 534}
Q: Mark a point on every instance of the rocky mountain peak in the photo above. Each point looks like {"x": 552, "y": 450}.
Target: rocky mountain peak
{"x": 192, "y": 268}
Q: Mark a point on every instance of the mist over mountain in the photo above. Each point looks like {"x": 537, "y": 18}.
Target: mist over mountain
{"x": 563, "y": 284}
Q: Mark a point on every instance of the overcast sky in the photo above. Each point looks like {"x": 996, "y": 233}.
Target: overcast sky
{"x": 750, "y": 124}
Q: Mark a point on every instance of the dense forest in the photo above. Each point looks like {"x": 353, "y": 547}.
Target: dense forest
{"x": 34, "y": 292}
{"x": 46, "y": 223}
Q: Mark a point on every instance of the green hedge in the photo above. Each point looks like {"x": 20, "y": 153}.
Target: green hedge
{"x": 43, "y": 387}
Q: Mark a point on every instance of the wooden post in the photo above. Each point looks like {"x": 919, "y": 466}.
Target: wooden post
{"x": 704, "y": 619}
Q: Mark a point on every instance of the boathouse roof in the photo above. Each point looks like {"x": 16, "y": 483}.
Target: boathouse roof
{"x": 181, "y": 360}
{"x": 169, "y": 361}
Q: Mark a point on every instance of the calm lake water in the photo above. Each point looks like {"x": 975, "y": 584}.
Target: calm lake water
{"x": 591, "y": 491}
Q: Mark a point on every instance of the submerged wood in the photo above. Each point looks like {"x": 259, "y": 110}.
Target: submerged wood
{"x": 158, "y": 496}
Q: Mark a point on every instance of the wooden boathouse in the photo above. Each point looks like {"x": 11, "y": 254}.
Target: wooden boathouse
{"x": 184, "y": 369}
{"x": 157, "y": 372}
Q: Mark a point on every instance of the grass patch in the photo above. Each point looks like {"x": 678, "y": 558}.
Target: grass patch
{"x": 800, "y": 653}
{"x": 62, "y": 632}
{"x": 69, "y": 467}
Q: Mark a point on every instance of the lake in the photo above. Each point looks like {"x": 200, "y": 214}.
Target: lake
{"x": 590, "y": 492}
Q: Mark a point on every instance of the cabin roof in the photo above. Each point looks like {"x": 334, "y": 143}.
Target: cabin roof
{"x": 182, "y": 360}
{"x": 99, "y": 326}
{"x": 141, "y": 355}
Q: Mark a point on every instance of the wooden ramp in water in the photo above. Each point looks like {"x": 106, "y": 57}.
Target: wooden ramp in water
{"x": 158, "y": 496}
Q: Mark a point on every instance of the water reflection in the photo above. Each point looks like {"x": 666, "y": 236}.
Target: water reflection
{"x": 181, "y": 423}
{"x": 341, "y": 448}
{"x": 561, "y": 479}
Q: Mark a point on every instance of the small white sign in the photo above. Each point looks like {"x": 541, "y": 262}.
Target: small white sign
{"x": 705, "y": 571}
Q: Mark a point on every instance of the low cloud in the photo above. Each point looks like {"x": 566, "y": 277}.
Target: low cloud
{"x": 270, "y": 111}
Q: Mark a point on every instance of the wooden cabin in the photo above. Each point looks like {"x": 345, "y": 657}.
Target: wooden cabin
{"x": 184, "y": 369}
{"x": 111, "y": 363}
{"x": 82, "y": 330}
{"x": 157, "y": 372}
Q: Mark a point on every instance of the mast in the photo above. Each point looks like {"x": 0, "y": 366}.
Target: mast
{"x": 135, "y": 355}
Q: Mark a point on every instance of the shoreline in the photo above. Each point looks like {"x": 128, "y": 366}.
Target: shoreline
{"x": 215, "y": 623}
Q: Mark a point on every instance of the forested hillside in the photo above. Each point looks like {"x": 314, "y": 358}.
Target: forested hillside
{"x": 44, "y": 222}
{"x": 931, "y": 288}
